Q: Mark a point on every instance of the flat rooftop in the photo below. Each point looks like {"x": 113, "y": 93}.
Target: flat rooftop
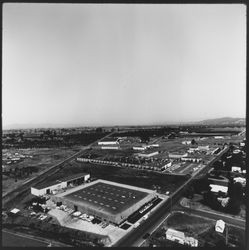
{"x": 107, "y": 197}
{"x": 50, "y": 183}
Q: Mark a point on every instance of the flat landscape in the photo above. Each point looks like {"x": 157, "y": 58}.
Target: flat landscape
{"x": 40, "y": 161}
{"x": 133, "y": 177}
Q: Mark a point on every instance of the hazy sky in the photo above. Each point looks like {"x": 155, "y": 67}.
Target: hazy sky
{"x": 107, "y": 64}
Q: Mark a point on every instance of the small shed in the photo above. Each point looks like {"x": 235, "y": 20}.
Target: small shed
{"x": 220, "y": 226}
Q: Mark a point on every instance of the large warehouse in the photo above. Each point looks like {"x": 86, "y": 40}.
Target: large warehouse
{"x": 106, "y": 200}
{"x": 50, "y": 186}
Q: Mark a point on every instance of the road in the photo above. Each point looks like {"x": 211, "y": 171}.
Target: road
{"x": 42, "y": 176}
{"x": 134, "y": 237}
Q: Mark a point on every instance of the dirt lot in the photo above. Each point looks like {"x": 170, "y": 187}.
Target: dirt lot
{"x": 41, "y": 159}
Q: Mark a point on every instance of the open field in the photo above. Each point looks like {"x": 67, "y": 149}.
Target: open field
{"x": 40, "y": 161}
{"x": 202, "y": 229}
{"x": 14, "y": 240}
{"x": 140, "y": 178}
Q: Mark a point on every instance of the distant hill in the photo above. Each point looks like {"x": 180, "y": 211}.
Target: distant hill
{"x": 224, "y": 121}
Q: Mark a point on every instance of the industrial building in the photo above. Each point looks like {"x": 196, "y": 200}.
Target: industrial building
{"x": 218, "y": 188}
{"x": 106, "y": 200}
{"x": 111, "y": 147}
{"x": 53, "y": 186}
{"x": 108, "y": 142}
{"x": 177, "y": 155}
{"x": 147, "y": 154}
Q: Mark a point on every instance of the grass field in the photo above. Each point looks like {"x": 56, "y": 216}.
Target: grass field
{"x": 13, "y": 240}
{"x": 202, "y": 229}
{"x": 140, "y": 178}
{"x": 41, "y": 160}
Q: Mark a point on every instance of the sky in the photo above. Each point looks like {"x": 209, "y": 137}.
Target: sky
{"x": 122, "y": 64}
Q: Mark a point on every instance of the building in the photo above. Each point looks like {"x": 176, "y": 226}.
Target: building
{"x": 191, "y": 159}
{"x": 241, "y": 180}
{"x": 177, "y": 155}
{"x": 53, "y": 186}
{"x": 220, "y": 226}
{"x": 111, "y": 147}
{"x": 236, "y": 169}
{"x": 148, "y": 154}
{"x": 167, "y": 165}
{"x": 219, "y": 137}
{"x": 193, "y": 149}
{"x": 140, "y": 148}
{"x": 203, "y": 148}
{"x": 218, "y": 188}
{"x": 108, "y": 142}
{"x": 106, "y": 200}
{"x": 186, "y": 142}
{"x": 175, "y": 235}
{"x": 191, "y": 241}
{"x": 180, "y": 237}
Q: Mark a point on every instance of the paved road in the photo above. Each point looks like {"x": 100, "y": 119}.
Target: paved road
{"x": 42, "y": 176}
{"x": 134, "y": 237}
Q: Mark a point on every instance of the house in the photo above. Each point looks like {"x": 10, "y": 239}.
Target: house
{"x": 220, "y": 226}
{"x": 191, "y": 241}
{"x": 241, "y": 180}
{"x": 186, "y": 142}
{"x": 203, "y": 148}
{"x": 179, "y": 237}
{"x": 218, "y": 188}
{"x": 236, "y": 169}
{"x": 175, "y": 235}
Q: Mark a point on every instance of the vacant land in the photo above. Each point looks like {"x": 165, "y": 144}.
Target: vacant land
{"x": 202, "y": 229}
{"x": 13, "y": 240}
{"x": 140, "y": 178}
{"x": 40, "y": 161}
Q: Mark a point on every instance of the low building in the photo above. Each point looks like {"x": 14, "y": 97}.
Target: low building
{"x": 220, "y": 226}
{"x": 186, "y": 142}
{"x": 50, "y": 187}
{"x": 139, "y": 148}
{"x": 203, "y": 148}
{"x": 191, "y": 159}
{"x": 240, "y": 180}
{"x": 148, "y": 154}
{"x": 223, "y": 201}
{"x": 236, "y": 169}
{"x": 191, "y": 241}
{"x": 193, "y": 149}
{"x": 175, "y": 235}
{"x": 167, "y": 165}
{"x": 219, "y": 137}
{"x": 218, "y": 188}
{"x": 177, "y": 155}
{"x": 111, "y": 147}
{"x": 106, "y": 200}
{"x": 108, "y": 142}
{"x": 179, "y": 237}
